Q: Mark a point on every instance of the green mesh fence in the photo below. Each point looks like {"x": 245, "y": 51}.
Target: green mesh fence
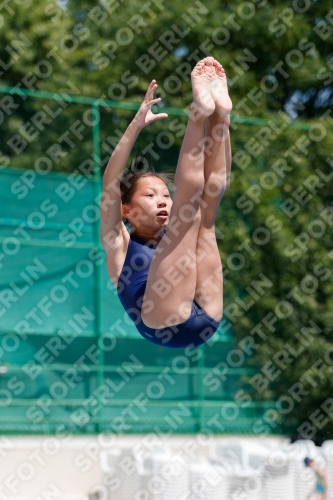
{"x": 69, "y": 356}
{"x": 70, "y": 359}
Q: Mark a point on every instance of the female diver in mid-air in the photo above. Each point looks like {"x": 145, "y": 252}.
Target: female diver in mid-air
{"x": 167, "y": 269}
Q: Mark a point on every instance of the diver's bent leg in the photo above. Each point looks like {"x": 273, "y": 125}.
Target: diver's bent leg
{"x": 209, "y": 287}
{"x": 171, "y": 281}
{"x": 172, "y": 278}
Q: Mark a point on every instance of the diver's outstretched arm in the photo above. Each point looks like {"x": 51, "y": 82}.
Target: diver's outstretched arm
{"x": 111, "y": 212}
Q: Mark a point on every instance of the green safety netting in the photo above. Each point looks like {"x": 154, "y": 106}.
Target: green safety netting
{"x": 70, "y": 359}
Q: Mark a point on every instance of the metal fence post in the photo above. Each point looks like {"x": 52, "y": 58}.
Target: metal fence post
{"x": 98, "y": 270}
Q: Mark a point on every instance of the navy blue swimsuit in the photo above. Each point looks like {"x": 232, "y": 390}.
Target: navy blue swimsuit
{"x": 196, "y": 330}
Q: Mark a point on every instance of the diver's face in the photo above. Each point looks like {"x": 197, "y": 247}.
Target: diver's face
{"x": 149, "y": 209}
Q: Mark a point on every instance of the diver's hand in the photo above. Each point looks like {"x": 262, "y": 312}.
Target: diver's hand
{"x": 145, "y": 116}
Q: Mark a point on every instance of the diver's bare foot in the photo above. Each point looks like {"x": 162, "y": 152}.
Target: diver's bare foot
{"x": 219, "y": 91}
{"x": 201, "y": 77}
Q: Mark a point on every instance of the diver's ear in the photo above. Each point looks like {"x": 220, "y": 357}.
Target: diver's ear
{"x": 125, "y": 210}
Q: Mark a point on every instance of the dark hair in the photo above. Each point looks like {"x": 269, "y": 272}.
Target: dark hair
{"x": 139, "y": 168}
